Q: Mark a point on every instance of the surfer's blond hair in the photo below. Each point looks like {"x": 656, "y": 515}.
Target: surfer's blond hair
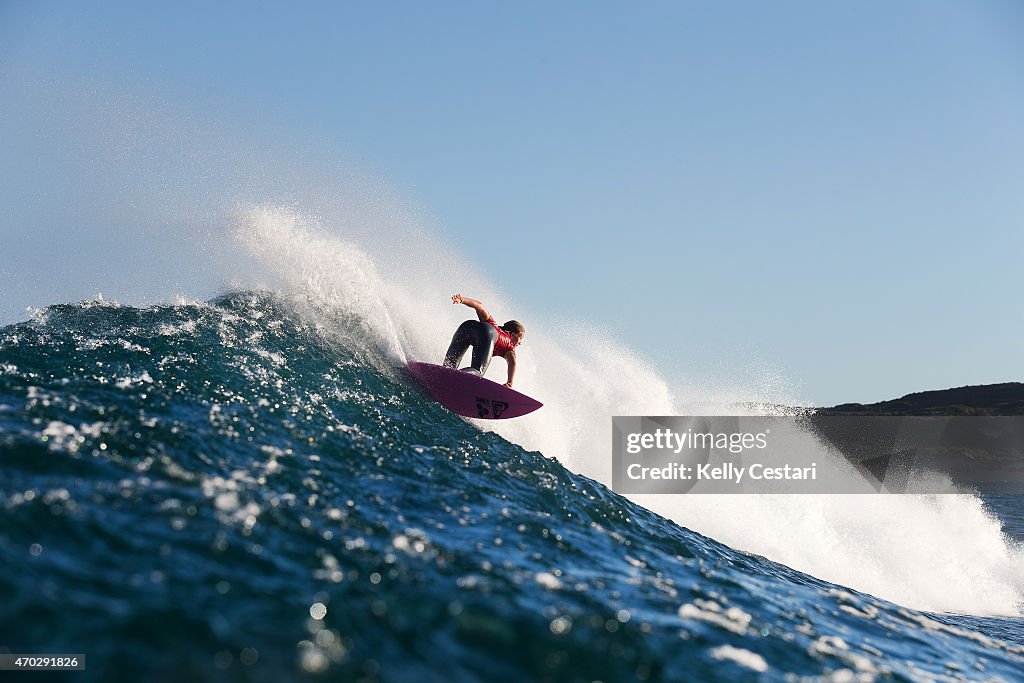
{"x": 514, "y": 327}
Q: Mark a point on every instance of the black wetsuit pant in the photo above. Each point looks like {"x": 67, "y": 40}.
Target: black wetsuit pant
{"x": 481, "y": 336}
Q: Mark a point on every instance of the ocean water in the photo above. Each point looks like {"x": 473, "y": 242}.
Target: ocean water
{"x": 251, "y": 489}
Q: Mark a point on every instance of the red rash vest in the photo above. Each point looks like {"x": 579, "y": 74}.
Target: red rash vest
{"x": 503, "y": 344}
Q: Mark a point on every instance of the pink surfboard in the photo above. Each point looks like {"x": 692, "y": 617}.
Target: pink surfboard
{"x": 471, "y": 395}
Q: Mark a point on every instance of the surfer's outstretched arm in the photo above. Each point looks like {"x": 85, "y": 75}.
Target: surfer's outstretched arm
{"x": 511, "y": 369}
{"x": 481, "y": 312}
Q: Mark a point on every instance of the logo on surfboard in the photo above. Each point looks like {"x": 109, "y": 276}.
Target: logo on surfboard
{"x": 485, "y": 407}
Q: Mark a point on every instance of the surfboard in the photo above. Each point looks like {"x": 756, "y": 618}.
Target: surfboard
{"x": 471, "y": 395}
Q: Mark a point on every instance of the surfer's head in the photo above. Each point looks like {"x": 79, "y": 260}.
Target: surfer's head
{"x": 516, "y": 329}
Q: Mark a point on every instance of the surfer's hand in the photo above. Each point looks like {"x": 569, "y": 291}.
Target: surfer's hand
{"x": 456, "y": 298}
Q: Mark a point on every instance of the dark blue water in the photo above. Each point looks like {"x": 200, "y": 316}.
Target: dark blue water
{"x": 1010, "y": 508}
{"x": 218, "y": 492}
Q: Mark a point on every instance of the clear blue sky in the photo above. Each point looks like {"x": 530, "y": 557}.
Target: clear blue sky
{"x": 835, "y": 190}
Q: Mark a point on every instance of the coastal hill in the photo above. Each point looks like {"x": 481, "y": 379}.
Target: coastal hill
{"x": 986, "y": 399}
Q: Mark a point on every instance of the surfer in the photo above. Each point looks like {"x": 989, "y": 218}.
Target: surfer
{"x": 486, "y": 338}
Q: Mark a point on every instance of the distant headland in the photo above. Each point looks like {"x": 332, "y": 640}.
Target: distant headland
{"x": 985, "y": 399}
